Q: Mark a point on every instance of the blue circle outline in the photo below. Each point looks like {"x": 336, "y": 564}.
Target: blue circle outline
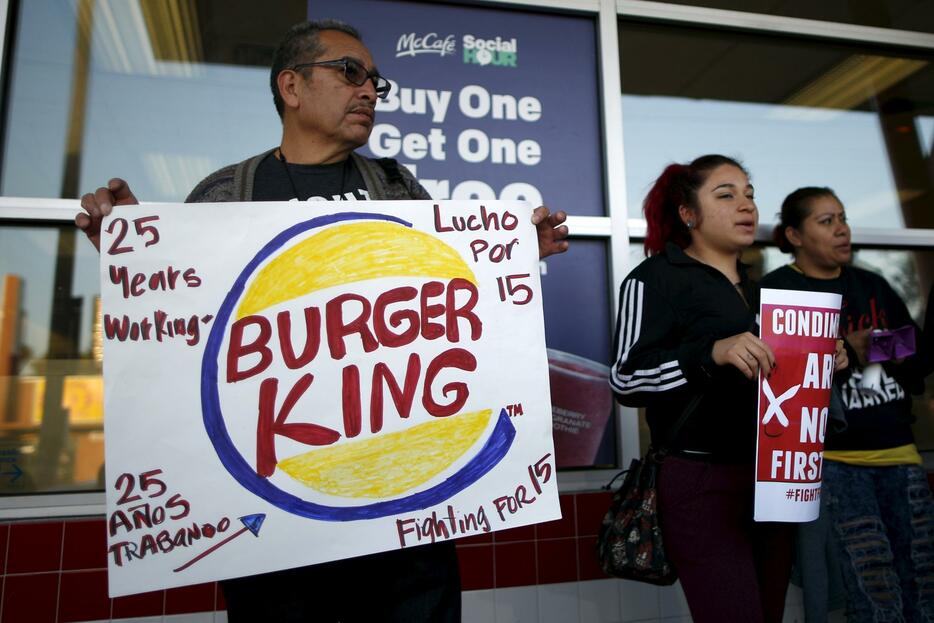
{"x": 492, "y": 452}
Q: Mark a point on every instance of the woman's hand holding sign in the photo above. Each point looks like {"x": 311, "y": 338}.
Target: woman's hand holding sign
{"x": 840, "y": 358}
{"x": 746, "y": 353}
{"x": 859, "y": 342}
{"x": 99, "y": 204}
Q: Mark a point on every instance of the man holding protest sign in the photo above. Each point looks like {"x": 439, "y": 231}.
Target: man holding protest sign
{"x": 325, "y": 86}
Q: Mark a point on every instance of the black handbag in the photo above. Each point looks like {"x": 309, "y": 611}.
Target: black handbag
{"x": 630, "y": 544}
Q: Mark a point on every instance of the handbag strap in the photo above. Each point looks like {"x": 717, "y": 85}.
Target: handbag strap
{"x": 675, "y": 429}
{"x": 660, "y": 452}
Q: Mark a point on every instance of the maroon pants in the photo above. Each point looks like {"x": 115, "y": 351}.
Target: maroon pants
{"x": 731, "y": 568}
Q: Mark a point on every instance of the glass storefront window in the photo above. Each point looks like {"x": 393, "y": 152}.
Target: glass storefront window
{"x": 901, "y": 15}
{"x": 158, "y": 92}
{"x": 796, "y": 113}
{"x": 51, "y": 383}
{"x": 917, "y": 16}
{"x": 51, "y": 388}
{"x": 161, "y": 93}
{"x": 577, "y": 310}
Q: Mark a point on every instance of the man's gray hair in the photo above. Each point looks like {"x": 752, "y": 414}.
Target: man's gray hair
{"x": 301, "y": 44}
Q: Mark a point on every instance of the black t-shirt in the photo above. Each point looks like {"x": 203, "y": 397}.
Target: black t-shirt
{"x": 420, "y": 580}
{"x": 278, "y": 181}
{"x": 873, "y": 421}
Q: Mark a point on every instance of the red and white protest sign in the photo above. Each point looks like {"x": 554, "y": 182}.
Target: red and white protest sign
{"x": 802, "y": 329}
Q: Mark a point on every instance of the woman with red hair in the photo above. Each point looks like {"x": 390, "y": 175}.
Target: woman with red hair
{"x": 686, "y": 341}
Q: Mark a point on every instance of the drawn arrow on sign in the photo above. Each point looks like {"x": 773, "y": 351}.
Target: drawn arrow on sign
{"x": 251, "y": 523}
{"x": 16, "y": 473}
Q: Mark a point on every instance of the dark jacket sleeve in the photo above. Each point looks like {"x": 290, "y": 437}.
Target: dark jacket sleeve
{"x": 929, "y": 326}
{"x": 653, "y": 363}
{"x": 929, "y": 313}
{"x": 215, "y": 188}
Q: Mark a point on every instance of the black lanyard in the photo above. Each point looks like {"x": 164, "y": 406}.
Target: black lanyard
{"x": 285, "y": 165}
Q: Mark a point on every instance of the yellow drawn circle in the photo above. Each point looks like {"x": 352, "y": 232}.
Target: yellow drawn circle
{"x": 391, "y": 463}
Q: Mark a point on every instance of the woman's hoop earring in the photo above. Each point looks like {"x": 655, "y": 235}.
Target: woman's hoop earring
{"x": 690, "y": 225}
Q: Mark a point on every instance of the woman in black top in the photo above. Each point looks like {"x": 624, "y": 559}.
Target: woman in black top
{"x": 875, "y": 489}
{"x": 687, "y": 329}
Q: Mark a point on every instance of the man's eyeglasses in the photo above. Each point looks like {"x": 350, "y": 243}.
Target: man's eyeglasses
{"x": 354, "y": 72}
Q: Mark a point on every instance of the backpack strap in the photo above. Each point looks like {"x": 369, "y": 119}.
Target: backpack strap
{"x": 391, "y": 168}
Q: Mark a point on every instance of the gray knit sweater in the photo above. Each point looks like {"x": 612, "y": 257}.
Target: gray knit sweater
{"x": 385, "y": 180}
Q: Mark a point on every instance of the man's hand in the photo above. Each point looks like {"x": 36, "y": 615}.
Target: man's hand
{"x": 99, "y": 204}
{"x": 552, "y": 235}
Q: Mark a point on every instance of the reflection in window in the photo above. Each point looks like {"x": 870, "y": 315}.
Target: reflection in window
{"x": 918, "y": 16}
{"x": 796, "y": 113}
{"x": 585, "y": 434}
{"x": 925, "y": 130}
{"x": 159, "y": 92}
{"x": 51, "y": 388}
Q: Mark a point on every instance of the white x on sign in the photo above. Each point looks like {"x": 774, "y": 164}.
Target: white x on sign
{"x": 775, "y": 404}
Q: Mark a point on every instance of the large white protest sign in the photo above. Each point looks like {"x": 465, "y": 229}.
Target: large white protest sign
{"x": 802, "y": 329}
{"x": 290, "y": 385}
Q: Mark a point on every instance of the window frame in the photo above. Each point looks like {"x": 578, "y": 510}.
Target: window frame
{"x": 616, "y": 228}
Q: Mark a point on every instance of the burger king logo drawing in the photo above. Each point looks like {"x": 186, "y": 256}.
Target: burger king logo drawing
{"x": 349, "y": 341}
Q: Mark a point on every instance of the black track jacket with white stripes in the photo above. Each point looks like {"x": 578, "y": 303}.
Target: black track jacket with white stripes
{"x": 672, "y": 309}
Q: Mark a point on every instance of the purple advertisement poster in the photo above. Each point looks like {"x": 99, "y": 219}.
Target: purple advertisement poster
{"x": 493, "y": 103}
